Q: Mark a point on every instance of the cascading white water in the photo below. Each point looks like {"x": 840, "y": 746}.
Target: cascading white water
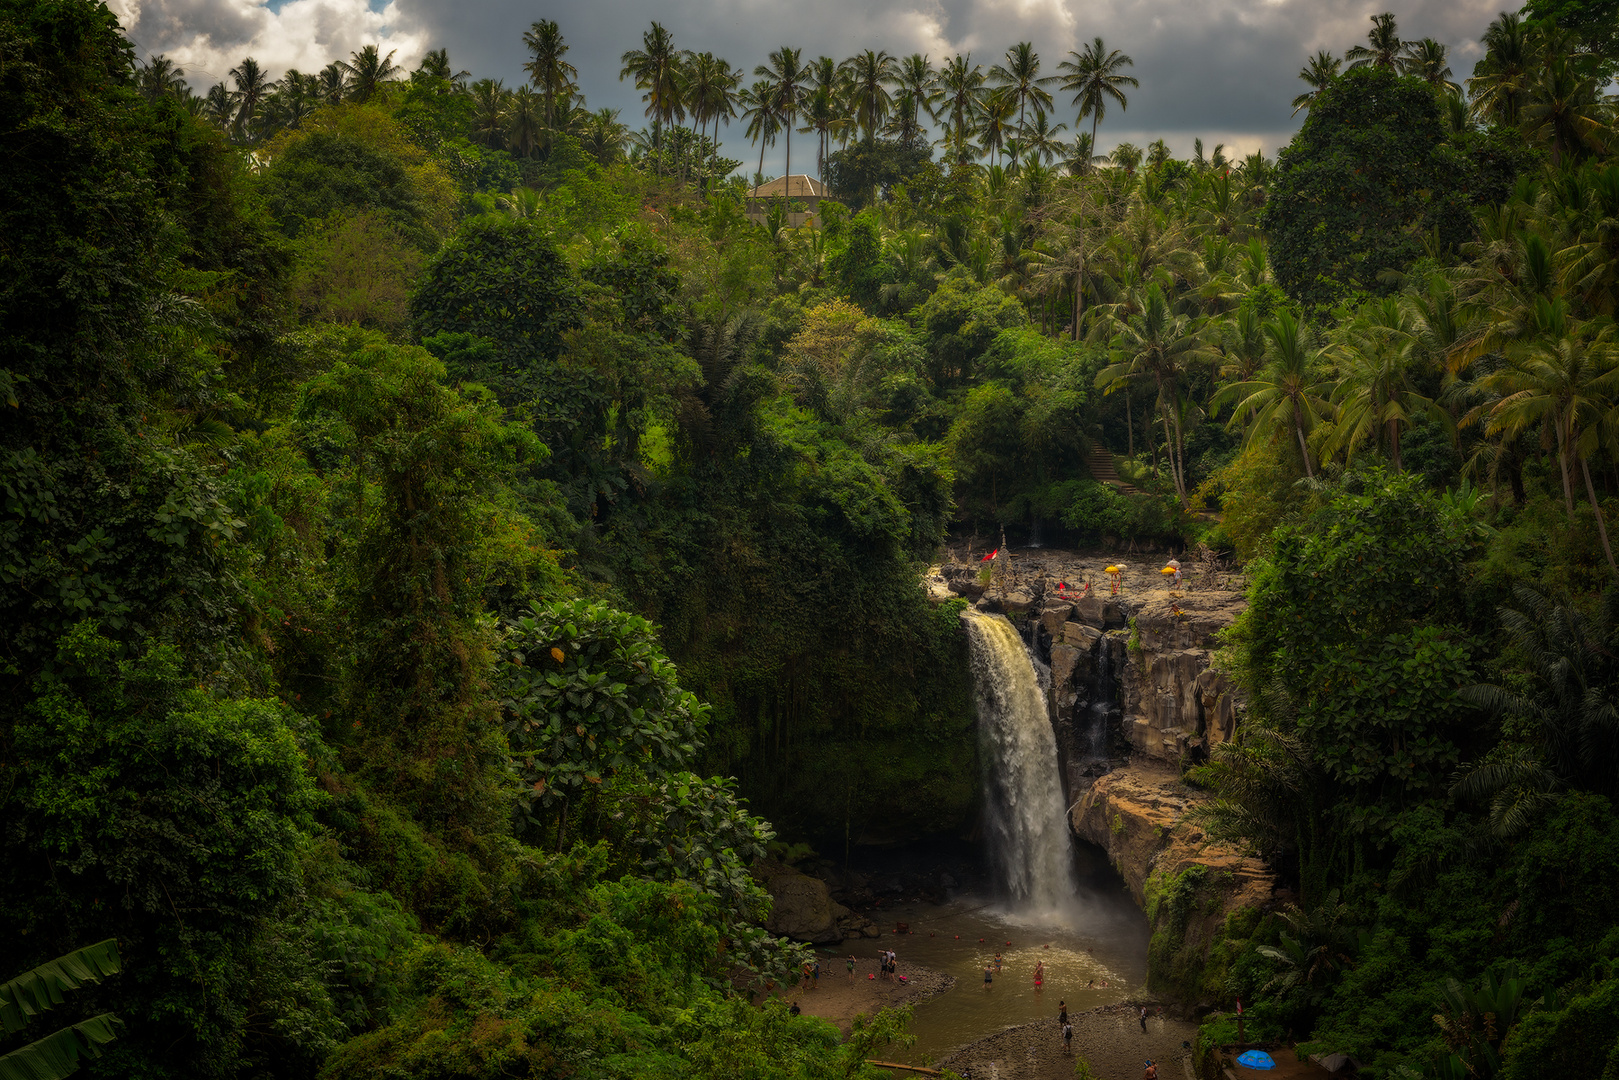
{"x": 1027, "y": 820}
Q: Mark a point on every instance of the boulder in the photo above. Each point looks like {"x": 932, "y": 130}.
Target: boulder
{"x": 800, "y": 906}
{"x": 1052, "y": 617}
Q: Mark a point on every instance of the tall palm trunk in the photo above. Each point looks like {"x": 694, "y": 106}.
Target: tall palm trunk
{"x": 1303, "y": 447}
{"x": 1563, "y": 449}
{"x": 1602, "y": 526}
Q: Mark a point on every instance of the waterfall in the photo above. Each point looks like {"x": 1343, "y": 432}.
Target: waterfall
{"x": 1027, "y": 819}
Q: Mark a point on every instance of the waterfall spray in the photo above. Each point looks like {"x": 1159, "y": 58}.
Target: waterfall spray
{"x": 1027, "y": 820}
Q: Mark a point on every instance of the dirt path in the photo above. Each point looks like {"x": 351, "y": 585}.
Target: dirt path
{"x": 1110, "y": 1038}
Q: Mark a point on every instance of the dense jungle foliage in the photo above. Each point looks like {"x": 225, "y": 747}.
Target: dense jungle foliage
{"x": 441, "y": 527}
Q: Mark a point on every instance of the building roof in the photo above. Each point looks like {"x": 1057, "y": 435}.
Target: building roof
{"x": 797, "y": 186}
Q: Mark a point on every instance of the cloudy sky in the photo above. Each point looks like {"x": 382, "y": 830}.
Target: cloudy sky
{"x": 1222, "y": 70}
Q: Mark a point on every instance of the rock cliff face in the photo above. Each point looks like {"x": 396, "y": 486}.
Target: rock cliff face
{"x": 1203, "y": 900}
{"x": 1134, "y": 696}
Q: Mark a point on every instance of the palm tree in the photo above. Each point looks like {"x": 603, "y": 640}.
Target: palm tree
{"x": 764, "y": 118}
{"x": 1040, "y": 138}
{"x": 1093, "y": 77}
{"x": 334, "y": 83}
{"x": 1020, "y": 76}
{"x": 489, "y": 98}
{"x": 604, "y": 136}
{"x": 293, "y": 100}
{"x": 1160, "y": 345}
{"x": 1565, "y": 110}
{"x": 1376, "y": 393}
{"x": 867, "y": 76}
{"x": 918, "y": 85}
{"x": 1428, "y": 60}
{"x": 552, "y": 75}
{"x": 1288, "y": 394}
{"x": 436, "y": 65}
{"x": 1382, "y": 48}
{"x": 992, "y": 123}
{"x": 159, "y": 77}
{"x": 1126, "y": 156}
{"x": 1319, "y": 72}
{"x": 1571, "y": 699}
{"x": 1500, "y": 82}
{"x": 525, "y": 121}
{"x": 252, "y": 86}
{"x": 656, "y": 68}
{"x": 824, "y": 116}
{"x": 788, "y": 74}
{"x": 710, "y": 93}
{"x": 1082, "y": 155}
{"x": 367, "y": 70}
{"x": 961, "y": 86}
{"x": 1565, "y": 381}
{"x": 220, "y": 106}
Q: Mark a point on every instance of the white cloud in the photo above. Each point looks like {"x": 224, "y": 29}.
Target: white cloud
{"x": 1224, "y": 70}
{"x": 209, "y": 37}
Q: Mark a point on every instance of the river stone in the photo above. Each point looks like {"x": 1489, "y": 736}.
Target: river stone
{"x": 800, "y": 907}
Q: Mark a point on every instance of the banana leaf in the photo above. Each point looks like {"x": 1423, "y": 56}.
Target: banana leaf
{"x": 58, "y": 1054}
{"x": 33, "y": 992}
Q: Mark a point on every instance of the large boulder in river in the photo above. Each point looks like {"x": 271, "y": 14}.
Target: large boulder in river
{"x": 800, "y": 906}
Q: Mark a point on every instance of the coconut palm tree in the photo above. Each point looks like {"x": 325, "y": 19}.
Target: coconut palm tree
{"x": 553, "y": 76}
{"x": 1092, "y": 76}
{"x": 1565, "y": 110}
{"x": 1081, "y": 156}
{"x": 1126, "y": 156}
{"x": 334, "y": 84}
{"x": 710, "y": 94}
{"x": 252, "y": 87}
{"x": 868, "y": 76}
{"x": 1040, "y": 138}
{"x": 785, "y": 69}
{"x": 1382, "y": 48}
{"x": 1020, "y": 76}
{"x": 657, "y": 69}
{"x": 159, "y": 77}
{"x": 760, "y": 110}
{"x": 1376, "y": 391}
{"x": 1500, "y": 83}
{"x": 1318, "y": 72}
{"x": 825, "y": 116}
{"x": 918, "y": 85}
{"x": 220, "y": 106}
{"x": 1429, "y": 61}
{"x": 603, "y": 137}
{"x": 1289, "y": 394}
{"x": 436, "y": 65}
{"x": 961, "y": 91}
{"x": 1160, "y": 345}
{"x": 1564, "y": 378}
{"x": 367, "y": 70}
{"x": 525, "y": 121}
{"x": 994, "y": 123}
{"x": 489, "y": 100}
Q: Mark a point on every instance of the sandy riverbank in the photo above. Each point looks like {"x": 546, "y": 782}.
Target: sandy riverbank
{"x": 840, "y": 999}
{"x": 1109, "y": 1037}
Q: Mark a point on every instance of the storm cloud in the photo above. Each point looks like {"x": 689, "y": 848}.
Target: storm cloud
{"x": 1222, "y": 70}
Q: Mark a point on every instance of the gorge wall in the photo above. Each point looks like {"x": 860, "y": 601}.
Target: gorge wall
{"x": 1135, "y": 695}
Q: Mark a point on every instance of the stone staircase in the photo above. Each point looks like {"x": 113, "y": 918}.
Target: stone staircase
{"x": 1102, "y": 468}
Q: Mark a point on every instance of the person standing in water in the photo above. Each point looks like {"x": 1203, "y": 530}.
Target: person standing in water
{"x": 1062, "y": 1012}
{"x": 1143, "y": 1019}
{"x": 989, "y": 975}
{"x": 1039, "y": 974}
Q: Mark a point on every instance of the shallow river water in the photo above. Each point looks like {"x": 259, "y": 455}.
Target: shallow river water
{"x": 1101, "y": 938}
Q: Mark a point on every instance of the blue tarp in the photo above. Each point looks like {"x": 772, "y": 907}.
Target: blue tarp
{"x": 1256, "y": 1059}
